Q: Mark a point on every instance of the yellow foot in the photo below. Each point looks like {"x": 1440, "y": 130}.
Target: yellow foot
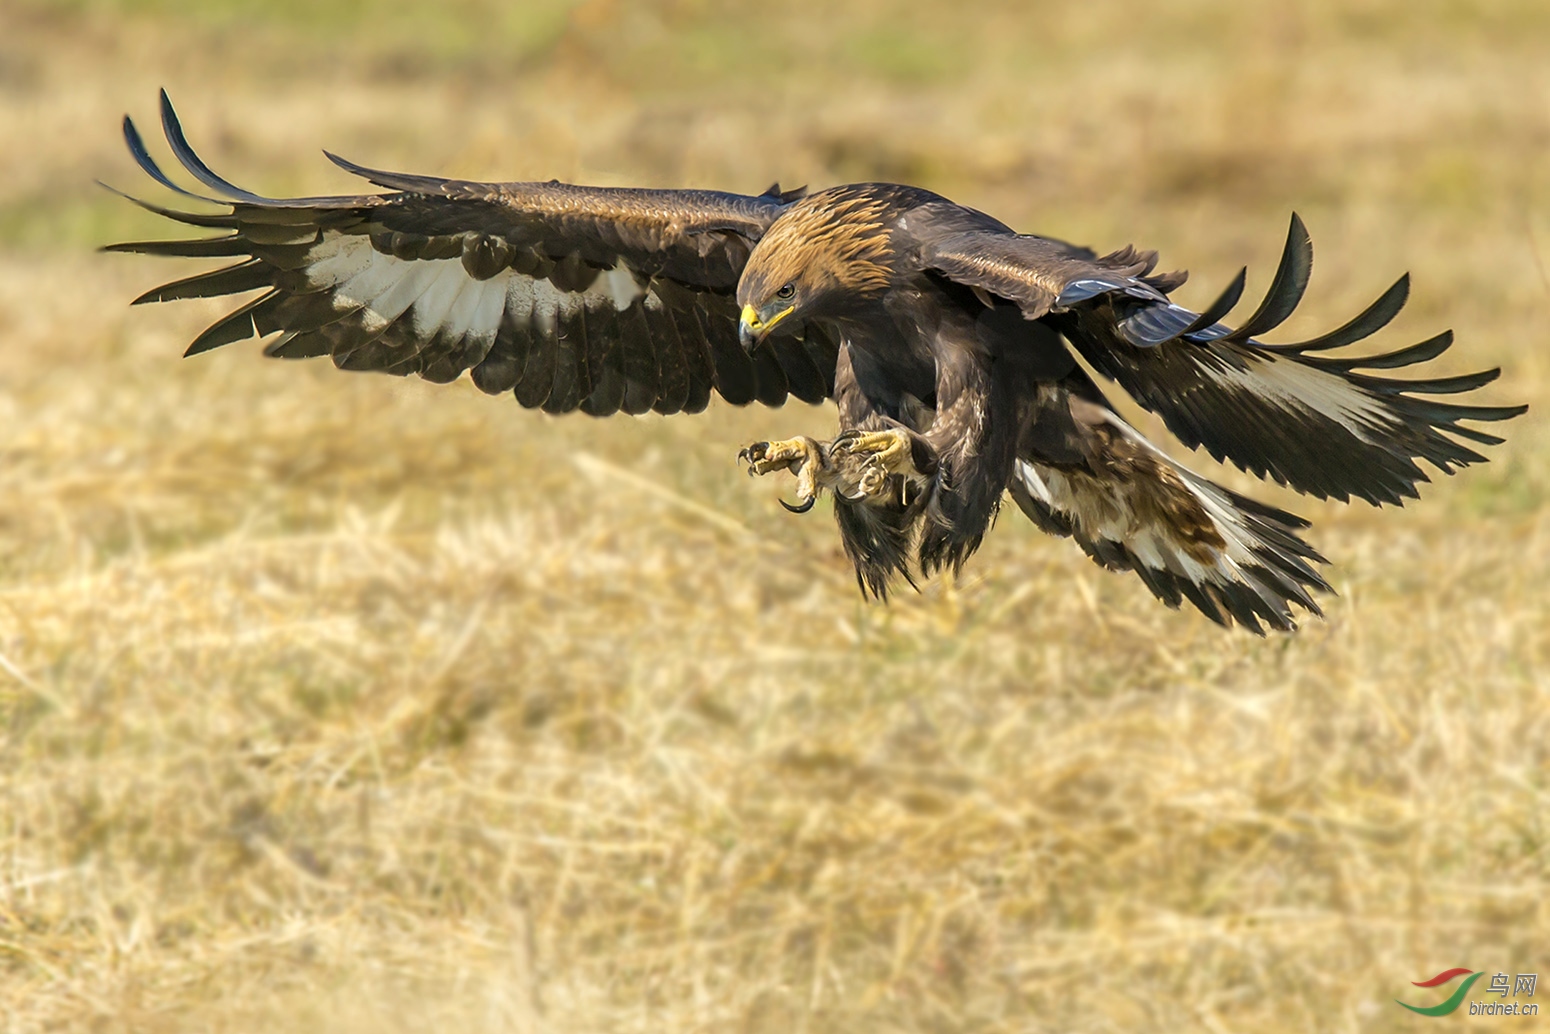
{"x": 883, "y": 454}
{"x": 890, "y": 448}
{"x": 802, "y": 456}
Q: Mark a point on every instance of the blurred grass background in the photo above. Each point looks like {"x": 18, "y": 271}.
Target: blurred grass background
{"x": 345, "y": 703}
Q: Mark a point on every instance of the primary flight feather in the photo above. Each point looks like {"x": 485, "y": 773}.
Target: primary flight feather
{"x": 942, "y": 336}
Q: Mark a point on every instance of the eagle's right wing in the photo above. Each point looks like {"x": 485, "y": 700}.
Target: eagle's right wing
{"x": 599, "y": 299}
{"x": 1326, "y": 425}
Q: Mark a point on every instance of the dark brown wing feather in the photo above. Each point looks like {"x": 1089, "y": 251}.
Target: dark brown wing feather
{"x": 1037, "y": 273}
{"x": 569, "y": 297}
{"x": 1323, "y": 425}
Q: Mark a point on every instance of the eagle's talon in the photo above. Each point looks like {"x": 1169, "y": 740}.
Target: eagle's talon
{"x": 767, "y": 457}
{"x": 874, "y": 477}
{"x": 802, "y": 456}
{"x": 841, "y": 442}
{"x": 888, "y": 449}
{"x": 751, "y": 454}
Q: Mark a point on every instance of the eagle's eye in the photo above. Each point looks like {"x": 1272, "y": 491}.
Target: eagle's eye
{"x": 787, "y": 292}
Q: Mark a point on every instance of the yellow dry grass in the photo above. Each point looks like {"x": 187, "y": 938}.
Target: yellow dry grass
{"x": 343, "y": 703}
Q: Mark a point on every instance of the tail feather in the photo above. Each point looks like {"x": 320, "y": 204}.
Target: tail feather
{"x": 1131, "y": 508}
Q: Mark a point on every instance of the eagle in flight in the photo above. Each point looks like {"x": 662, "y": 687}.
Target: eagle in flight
{"x": 943, "y": 337}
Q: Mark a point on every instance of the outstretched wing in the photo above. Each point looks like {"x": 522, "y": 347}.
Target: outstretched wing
{"x": 1324, "y": 425}
{"x": 569, "y": 297}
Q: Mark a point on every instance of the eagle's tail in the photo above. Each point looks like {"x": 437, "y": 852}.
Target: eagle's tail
{"x": 1131, "y": 508}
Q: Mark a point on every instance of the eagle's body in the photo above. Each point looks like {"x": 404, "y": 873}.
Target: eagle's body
{"x": 941, "y": 335}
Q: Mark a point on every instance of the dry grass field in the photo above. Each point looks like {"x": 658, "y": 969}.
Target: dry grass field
{"x": 341, "y": 703}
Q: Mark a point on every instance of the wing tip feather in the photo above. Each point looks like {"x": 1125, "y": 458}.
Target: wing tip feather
{"x": 172, "y": 128}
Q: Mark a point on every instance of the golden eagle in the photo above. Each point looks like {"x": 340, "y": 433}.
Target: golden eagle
{"x": 940, "y": 333}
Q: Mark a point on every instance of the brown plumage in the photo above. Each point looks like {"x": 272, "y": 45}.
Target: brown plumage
{"x": 940, "y": 334}
{"x": 838, "y": 239}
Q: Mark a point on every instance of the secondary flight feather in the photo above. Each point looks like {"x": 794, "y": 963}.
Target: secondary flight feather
{"x": 943, "y": 337}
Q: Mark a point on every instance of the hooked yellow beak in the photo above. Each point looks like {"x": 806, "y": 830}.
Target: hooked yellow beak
{"x": 751, "y": 329}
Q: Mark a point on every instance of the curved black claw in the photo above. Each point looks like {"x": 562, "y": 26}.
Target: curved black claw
{"x": 841, "y": 442}
{"x": 802, "y": 507}
{"x": 752, "y": 454}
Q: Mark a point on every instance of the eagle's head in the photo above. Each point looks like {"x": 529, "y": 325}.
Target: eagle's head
{"x": 824, "y": 256}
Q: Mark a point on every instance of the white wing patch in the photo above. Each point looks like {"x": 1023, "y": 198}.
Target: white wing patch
{"x": 441, "y": 298}
{"x": 620, "y": 286}
{"x": 435, "y": 305}
{"x": 486, "y": 319}
{"x": 375, "y": 279}
{"x": 519, "y": 300}
{"x": 384, "y": 297}
{"x": 1300, "y": 388}
{"x": 336, "y": 259}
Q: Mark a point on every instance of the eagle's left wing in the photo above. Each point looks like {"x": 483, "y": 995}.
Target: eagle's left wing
{"x": 569, "y": 297}
{"x": 1324, "y": 425}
